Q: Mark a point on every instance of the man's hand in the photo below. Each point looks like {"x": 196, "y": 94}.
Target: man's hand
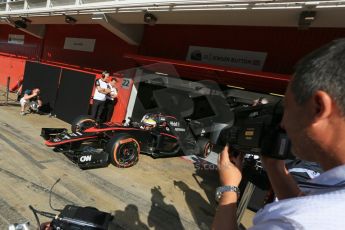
{"x": 230, "y": 174}
{"x": 284, "y": 186}
{"x": 273, "y": 164}
{"x": 114, "y": 94}
{"x": 103, "y": 90}
{"x": 229, "y": 167}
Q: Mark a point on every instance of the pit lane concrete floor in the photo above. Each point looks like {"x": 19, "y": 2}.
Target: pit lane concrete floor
{"x": 164, "y": 194}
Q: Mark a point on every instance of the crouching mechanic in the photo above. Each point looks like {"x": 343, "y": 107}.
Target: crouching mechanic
{"x": 30, "y": 96}
{"x": 314, "y": 119}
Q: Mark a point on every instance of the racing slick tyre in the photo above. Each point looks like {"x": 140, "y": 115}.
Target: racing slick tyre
{"x": 82, "y": 122}
{"x": 204, "y": 147}
{"x": 123, "y": 150}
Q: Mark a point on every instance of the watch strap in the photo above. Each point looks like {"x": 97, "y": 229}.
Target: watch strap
{"x": 227, "y": 188}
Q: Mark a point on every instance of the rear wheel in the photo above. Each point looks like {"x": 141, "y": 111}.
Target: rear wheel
{"x": 82, "y": 123}
{"x": 123, "y": 150}
{"x": 204, "y": 147}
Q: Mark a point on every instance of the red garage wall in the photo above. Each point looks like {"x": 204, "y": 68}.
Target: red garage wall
{"x": 13, "y": 56}
{"x": 13, "y": 67}
{"x": 31, "y": 49}
{"x": 108, "y": 53}
{"x": 284, "y": 45}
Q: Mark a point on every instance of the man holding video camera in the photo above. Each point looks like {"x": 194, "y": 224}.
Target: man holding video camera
{"x": 314, "y": 119}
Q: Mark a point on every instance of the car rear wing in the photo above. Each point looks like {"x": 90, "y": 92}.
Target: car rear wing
{"x": 48, "y": 133}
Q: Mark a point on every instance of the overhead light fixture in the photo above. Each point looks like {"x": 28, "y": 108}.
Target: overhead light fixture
{"x": 22, "y": 23}
{"x": 150, "y": 19}
{"x": 98, "y": 16}
{"x": 70, "y": 20}
{"x": 305, "y": 19}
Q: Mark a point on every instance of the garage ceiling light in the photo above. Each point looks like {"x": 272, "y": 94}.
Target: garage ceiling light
{"x": 98, "y": 16}
{"x": 22, "y": 23}
{"x": 306, "y": 18}
{"x": 150, "y": 19}
{"x": 70, "y": 20}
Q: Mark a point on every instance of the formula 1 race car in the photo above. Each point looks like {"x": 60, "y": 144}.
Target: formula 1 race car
{"x": 93, "y": 145}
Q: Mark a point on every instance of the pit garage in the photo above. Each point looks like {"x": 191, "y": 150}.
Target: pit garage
{"x": 196, "y": 62}
{"x": 178, "y": 190}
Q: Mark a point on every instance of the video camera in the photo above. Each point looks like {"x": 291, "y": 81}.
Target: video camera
{"x": 256, "y": 130}
{"x": 71, "y": 217}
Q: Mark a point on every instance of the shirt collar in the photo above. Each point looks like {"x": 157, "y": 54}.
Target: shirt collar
{"x": 331, "y": 177}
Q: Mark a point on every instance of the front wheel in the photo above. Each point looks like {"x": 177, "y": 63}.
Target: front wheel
{"x": 123, "y": 150}
{"x": 82, "y": 123}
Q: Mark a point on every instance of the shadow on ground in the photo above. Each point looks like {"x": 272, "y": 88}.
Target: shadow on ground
{"x": 162, "y": 215}
{"x": 202, "y": 209}
{"x": 127, "y": 219}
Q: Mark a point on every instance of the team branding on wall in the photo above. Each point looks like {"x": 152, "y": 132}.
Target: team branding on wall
{"x": 227, "y": 57}
{"x": 81, "y": 44}
{"x": 17, "y": 39}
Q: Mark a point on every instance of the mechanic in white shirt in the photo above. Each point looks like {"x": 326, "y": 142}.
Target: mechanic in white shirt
{"x": 111, "y": 99}
{"x": 99, "y": 96}
{"x": 314, "y": 119}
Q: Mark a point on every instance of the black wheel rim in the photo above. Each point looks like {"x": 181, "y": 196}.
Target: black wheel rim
{"x": 127, "y": 153}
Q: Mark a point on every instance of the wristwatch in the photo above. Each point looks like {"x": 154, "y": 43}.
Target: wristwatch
{"x": 226, "y": 188}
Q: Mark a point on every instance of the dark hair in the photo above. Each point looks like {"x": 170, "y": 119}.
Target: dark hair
{"x": 323, "y": 69}
{"x": 104, "y": 73}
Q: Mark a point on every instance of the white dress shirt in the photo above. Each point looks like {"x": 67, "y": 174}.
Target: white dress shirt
{"x": 112, "y": 94}
{"x": 98, "y": 95}
{"x": 323, "y": 206}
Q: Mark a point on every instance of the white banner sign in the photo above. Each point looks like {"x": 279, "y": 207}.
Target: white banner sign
{"x": 16, "y": 39}
{"x": 81, "y": 44}
{"x": 227, "y": 57}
